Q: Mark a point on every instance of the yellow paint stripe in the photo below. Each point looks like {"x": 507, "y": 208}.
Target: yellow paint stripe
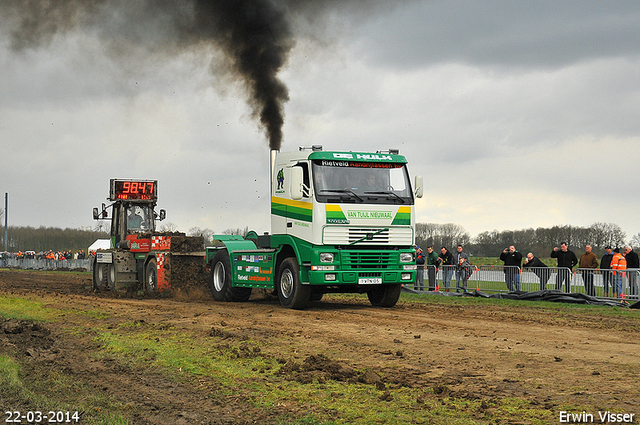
{"x": 292, "y": 203}
{"x": 333, "y": 208}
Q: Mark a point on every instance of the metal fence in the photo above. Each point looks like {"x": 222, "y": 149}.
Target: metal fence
{"x": 595, "y": 282}
{"x": 44, "y": 264}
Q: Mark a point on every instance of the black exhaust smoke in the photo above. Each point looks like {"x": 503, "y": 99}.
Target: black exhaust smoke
{"x": 254, "y": 35}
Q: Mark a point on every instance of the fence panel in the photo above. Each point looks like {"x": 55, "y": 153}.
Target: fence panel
{"x": 44, "y": 264}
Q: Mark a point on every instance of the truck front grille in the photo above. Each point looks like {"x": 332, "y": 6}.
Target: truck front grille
{"x": 343, "y": 235}
{"x": 367, "y": 260}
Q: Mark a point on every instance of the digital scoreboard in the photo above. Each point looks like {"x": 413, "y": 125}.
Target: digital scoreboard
{"x": 135, "y": 190}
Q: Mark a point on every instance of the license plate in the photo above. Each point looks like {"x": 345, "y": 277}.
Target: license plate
{"x": 370, "y": 281}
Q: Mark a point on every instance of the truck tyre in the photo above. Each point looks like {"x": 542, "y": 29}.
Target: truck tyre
{"x": 100, "y": 277}
{"x": 292, "y": 293}
{"x": 220, "y": 280}
{"x": 384, "y": 296}
{"x": 151, "y": 277}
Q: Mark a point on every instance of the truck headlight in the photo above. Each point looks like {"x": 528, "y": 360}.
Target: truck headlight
{"x": 405, "y": 276}
{"x": 326, "y": 257}
{"x": 330, "y": 277}
{"x": 406, "y": 257}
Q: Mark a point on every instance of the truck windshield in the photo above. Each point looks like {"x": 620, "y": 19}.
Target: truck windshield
{"x": 361, "y": 182}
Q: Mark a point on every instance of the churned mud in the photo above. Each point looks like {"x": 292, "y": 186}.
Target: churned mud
{"x": 546, "y": 357}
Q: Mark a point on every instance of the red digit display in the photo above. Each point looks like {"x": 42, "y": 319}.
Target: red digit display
{"x": 134, "y": 190}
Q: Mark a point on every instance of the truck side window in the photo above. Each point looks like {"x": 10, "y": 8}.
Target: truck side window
{"x": 306, "y": 190}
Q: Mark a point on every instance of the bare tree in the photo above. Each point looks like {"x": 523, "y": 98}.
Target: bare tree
{"x": 169, "y": 227}
{"x": 603, "y": 234}
{"x": 438, "y": 235}
{"x": 205, "y": 233}
{"x": 238, "y": 231}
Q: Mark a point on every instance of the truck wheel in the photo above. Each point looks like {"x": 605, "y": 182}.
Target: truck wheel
{"x": 292, "y": 293}
{"x": 384, "y": 296}
{"x": 151, "y": 277}
{"x": 220, "y": 280}
{"x": 100, "y": 277}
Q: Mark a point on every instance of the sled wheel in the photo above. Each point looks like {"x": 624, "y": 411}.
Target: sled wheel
{"x": 100, "y": 277}
{"x": 220, "y": 280}
{"x": 151, "y": 277}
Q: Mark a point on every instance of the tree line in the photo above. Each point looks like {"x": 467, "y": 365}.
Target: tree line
{"x": 540, "y": 241}
{"x": 20, "y": 238}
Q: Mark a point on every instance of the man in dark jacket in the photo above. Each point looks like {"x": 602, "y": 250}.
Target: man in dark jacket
{"x": 567, "y": 260}
{"x": 432, "y": 267}
{"x": 605, "y": 266}
{"x": 539, "y": 268}
{"x": 512, "y": 261}
{"x": 632, "y": 263}
{"x": 445, "y": 261}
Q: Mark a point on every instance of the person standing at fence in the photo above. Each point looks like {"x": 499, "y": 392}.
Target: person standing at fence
{"x": 539, "y": 268}
{"x": 512, "y": 261}
{"x": 459, "y": 258}
{"x": 588, "y": 261}
{"x": 445, "y": 261}
{"x": 432, "y": 267}
{"x": 567, "y": 260}
{"x": 618, "y": 265}
{"x": 633, "y": 264}
{"x": 605, "y": 266}
{"x": 464, "y": 270}
{"x": 419, "y": 285}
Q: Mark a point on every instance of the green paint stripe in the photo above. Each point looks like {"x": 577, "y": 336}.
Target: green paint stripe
{"x": 402, "y": 219}
{"x": 302, "y": 214}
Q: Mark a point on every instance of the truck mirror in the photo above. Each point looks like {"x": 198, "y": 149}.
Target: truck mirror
{"x": 96, "y": 214}
{"x": 163, "y": 214}
{"x": 296, "y": 183}
{"x": 419, "y": 187}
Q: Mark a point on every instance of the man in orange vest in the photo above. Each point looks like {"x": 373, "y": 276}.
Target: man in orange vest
{"x": 618, "y": 264}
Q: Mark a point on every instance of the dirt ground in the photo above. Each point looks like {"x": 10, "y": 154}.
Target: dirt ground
{"x": 542, "y": 356}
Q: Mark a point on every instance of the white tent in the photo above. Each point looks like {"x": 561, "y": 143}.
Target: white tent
{"x": 100, "y": 244}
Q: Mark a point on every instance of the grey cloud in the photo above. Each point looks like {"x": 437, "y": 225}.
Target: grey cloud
{"x": 546, "y": 34}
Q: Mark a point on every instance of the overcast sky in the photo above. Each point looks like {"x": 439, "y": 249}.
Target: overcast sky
{"x": 518, "y": 114}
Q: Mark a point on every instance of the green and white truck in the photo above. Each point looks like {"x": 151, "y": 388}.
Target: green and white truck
{"x": 340, "y": 222}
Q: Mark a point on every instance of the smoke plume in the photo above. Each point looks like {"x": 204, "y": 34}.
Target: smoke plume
{"x": 254, "y": 35}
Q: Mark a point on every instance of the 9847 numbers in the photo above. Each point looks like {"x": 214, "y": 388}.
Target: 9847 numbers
{"x": 55, "y": 417}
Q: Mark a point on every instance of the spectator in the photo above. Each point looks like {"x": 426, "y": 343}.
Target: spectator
{"x": 605, "y": 266}
{"x": 445, "y": 261}
{"x": 618, "y": 263}
{"x": 539, "y": 268}
{"x": 459, "y": 258}
{"x": 432, "y": 267}
{"x": 633, "y": 263}
{"x": 567, "y": 260}
{"x": 512, "y": 261}
{"x": 419, "y": 285}
{"x": 464, "y": 271}
{"x": 588, "y": 261}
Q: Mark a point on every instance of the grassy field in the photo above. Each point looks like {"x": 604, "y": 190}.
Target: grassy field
{"x": 225, "y": 368}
